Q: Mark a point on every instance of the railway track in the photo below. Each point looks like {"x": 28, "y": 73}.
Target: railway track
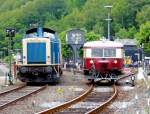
{"x": 89, "y": 96}
{"x": 11, "y": 96}
{"x": 90, "y": 99}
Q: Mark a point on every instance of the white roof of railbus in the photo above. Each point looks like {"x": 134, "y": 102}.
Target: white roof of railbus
{"x": 105, "y": 43}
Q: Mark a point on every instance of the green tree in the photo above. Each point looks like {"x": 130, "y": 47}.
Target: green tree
{"x": 143, "y": 36}
{"x": 126, "y": 33}
{"x": 143, "y": 15}
{"x": 91, "y": 36}
{"x": 61, "y": 15}
{"x": 122, "y": 33}
{"x": 131, "y": 32}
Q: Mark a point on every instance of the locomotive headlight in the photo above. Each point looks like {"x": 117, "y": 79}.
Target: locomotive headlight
{"x": 48, "y": 69}
{"x": 23, "y": 69}
{"x": 91, "y": 61}
{"x": 115, "y": 61}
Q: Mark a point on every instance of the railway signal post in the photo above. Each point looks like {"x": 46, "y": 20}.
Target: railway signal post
{"x": 4, "y": 52}
{"x": 10, "y": 33}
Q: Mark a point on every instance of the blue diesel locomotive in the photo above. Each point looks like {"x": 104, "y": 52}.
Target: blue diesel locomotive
{"x": 41, "y": 56}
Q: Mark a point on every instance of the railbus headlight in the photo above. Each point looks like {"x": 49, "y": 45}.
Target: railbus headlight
{"x": 91, "y": 61}
{"x": 115, "y": 61}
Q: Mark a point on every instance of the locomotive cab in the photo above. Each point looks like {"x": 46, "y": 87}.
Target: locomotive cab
{"x": 103, "y": 60}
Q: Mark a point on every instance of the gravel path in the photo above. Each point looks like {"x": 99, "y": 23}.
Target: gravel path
{"x": 69, "y": 87}
{"x": 132, "y": 100}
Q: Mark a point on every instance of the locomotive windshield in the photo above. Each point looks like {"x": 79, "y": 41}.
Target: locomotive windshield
{"x": 105, "y": 52}
{"x": 31, "y": 35}
{"x": 48, "y": 35}
{"x": 40, "y": 32}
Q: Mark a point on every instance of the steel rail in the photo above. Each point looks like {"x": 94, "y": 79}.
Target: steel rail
{"x": 106, "y": 103}
{"x": 11, "y": 90}
{"x": 22, "y": 97}
{"x": 76, "y": 71}
{"x": 80, "y": 98}
{"x": 126, "y": 76}
{"x": 67, "y": 104}
{"x": 112, "y": 98}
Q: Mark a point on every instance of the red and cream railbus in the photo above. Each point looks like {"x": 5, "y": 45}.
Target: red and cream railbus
{"x": 103, "y": 60}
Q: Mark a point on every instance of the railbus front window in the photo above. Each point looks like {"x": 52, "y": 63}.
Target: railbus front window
{"x": 96, "y": 52}
{"x": 109, "y": 52}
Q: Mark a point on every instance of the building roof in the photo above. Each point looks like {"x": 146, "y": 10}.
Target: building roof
{"x": 127, "y": 41}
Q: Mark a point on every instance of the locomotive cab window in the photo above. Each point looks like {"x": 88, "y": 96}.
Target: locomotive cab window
{"x": 31, "y": 35}
{"x": 97, "y": 52}
{"x": 48, "y": 35}
{"x": 109, "y": 52}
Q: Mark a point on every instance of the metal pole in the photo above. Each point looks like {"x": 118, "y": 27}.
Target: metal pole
{"x": 10, "y": 72}
{"x": 74, "y": 50}
{"x": 143, "y": 56}
{"x": 1, "y": 56}
{"x": 4, "y": 53}
{"x": 109, "y": 20}
{"x": 139, "y": 60}
{"x": 108, "y": 26}
{"x": 4, "y": 57}
{"x": 10, "y": 33}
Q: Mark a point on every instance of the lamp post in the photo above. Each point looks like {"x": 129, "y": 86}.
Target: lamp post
{"x": 10, "y": 33}
{"x": 142, "y": 50}
{"x": 108, "y": 20}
